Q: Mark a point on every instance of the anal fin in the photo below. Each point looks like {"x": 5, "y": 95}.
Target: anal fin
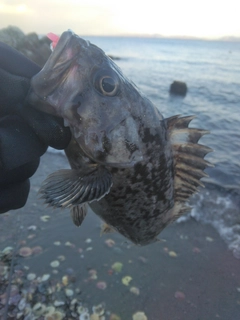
{"x": 78, "y": 213}
{"x": 106, "y": 228}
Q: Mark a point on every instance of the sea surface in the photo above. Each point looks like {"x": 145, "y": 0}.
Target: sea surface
{"x": 211, "y": 70}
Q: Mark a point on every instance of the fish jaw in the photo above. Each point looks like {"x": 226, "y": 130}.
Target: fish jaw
{"x": 57, "y": 81}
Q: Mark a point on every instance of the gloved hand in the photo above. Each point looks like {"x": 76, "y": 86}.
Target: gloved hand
{"x": 25, "y": 133}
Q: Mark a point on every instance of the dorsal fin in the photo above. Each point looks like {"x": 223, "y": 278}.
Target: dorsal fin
{"x": 189, "y": 161}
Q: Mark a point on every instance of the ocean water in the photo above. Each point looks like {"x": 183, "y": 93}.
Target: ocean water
{"x": 211, "y": 70}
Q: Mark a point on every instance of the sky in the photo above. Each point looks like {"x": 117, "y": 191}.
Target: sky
{"x": 209, "y": 19}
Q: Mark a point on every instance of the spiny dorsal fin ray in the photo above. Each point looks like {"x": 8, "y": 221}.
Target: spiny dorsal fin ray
{"x": 190, "y": 170}
{"x": 193, "y": 161}
{"x": 187, "y": 135}
{"x": 198, "y": 150}
{"x": 189, "y": 161}
{"x": 179, "y": 122}
{"x": 185, "y": 177}
{"x": 178, "y": 210}
{"x": 185, "y": 186}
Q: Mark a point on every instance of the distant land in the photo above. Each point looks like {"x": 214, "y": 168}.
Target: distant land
{"x": 156, "y": 35}
{"x": 225, "y": 38}
{"x": 230, "y": 38}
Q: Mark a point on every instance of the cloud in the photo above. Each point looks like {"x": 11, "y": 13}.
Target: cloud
{"x": 83, "y": 17}
{"x": 14, "y": 9}
{"x": 203, "y": 19}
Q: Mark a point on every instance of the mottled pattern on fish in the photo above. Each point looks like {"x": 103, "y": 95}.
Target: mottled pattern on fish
{"x": 137, "y": 194}
{"x": 134, "y": 168}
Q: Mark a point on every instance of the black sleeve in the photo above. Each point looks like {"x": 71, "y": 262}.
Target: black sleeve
{"x": 25, "y": 133}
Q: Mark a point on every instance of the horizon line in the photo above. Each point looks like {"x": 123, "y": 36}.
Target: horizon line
{"x": 133, "y": 35}
{"x": 159, "y": 36}
{"x": 227, "y": 38}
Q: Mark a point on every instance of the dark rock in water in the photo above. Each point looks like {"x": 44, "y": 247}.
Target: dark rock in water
{"x": 178, "y": 88}
{"x": 36, "y": 49}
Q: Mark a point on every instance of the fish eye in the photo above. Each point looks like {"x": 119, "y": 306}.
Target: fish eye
{"x": 107, "y": 84}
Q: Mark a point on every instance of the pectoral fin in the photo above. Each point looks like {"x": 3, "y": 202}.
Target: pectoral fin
{"x": 66, "y": 188}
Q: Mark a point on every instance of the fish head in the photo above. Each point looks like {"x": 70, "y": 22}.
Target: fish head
{"x": 81, "y": 84}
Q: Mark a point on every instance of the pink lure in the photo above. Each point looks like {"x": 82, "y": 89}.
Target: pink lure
{"x": 54, "y": 38}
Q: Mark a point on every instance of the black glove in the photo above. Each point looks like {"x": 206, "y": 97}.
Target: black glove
{"x": 25, "y": 133}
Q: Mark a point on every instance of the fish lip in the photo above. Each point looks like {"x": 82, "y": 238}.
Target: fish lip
{"x": 65, "y": 36}
{"x": 44, "y": 83}
{"x": 62, "y": 44}
{"x": 63, "y": 41}
{"x": 52, "y": 63}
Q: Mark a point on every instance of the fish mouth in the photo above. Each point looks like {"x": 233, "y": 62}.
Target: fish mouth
{"x": 45, "y": 85}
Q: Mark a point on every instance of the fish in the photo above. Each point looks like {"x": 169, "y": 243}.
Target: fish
{"x": 134, "y": 168}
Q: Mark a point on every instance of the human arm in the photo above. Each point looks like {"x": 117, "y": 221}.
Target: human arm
{"x": 25, "y": 133}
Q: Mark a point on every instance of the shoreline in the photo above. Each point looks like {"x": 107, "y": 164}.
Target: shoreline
{"x": 189, "y": 275}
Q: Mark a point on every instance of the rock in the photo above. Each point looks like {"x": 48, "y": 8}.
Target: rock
{"x": 38, "y": 50}
{"x": 11, "y": 36}
{"x": 35, "y": 48}
{"x": 178, "y": 88}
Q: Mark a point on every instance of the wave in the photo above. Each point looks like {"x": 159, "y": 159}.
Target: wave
{"x": 223, "y": 97}
{"x": 219, "y": 207}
